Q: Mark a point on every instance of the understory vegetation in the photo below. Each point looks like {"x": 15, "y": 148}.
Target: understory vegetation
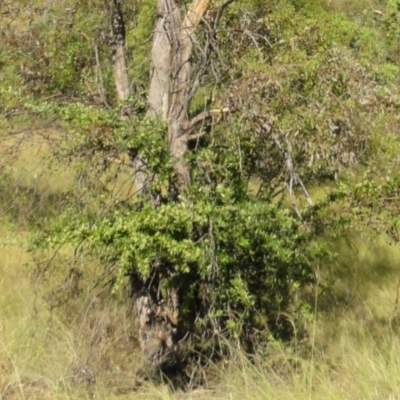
{"x": 200, "y": 199}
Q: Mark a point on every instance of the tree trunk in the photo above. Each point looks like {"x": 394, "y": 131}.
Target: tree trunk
{"x": 158, "y": 324}
{"x": 168, "y": 99}
{"x": 159, "y": 92}
{"x": 158, "y": 329}
{"x": 178, "y": 119}
{"x": 118, "y": 51}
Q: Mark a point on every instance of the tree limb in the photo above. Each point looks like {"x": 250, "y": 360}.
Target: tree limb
{"x": 194, "y": 15}
{"x": 294, "y": 178}
{"x": 196, "y": 136}
{"x": 199, "y": 118}
{"x": 209, "y": 47}
{"x": 220, "y": 12}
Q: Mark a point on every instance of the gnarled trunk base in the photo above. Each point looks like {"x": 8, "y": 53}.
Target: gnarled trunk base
{"x": 158, "y": 331}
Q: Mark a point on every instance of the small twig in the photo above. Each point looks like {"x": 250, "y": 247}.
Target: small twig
{"x": 294, "y": 177}
{"x": 85, "y": 36}
{"x": 101, "y": 88}
{"x": 396, "y": 303}
{"x": 377, "y": 12}
{"x": 253, "y": 35}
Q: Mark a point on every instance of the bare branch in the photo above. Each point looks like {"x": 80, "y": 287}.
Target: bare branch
{"x": 294, "y": 177}
{"x": 101, "y": 89}
{"x": 194, "y": 15}
{"x": 209, "y": 47}
{"x": 220, "y": 12}
{"x": 196, "y": 136}
{"x": 199, "y": 118}
{"x": 253, "y": 36}
{"x": 377, "y": 12}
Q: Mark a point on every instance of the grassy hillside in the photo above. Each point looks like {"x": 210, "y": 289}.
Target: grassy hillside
{"x": 355, "y": 351}
{"x": 352, "y": 350}
{"x": 326, "y": 76}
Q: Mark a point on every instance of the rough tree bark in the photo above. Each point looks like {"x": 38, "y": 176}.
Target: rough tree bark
{"x": 159, "y": 91}
{"x": 118, "y": 51}
{"x": 178, "y": 118}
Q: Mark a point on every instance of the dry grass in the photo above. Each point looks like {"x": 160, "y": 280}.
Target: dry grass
{"x": 74, "y": 351}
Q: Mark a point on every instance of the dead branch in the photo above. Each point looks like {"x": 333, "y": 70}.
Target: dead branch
{"x": 209, "y": 47}
{"x": 377, "y": 12}
{"x": 196, "y": 136}
{"x": 194, "y": 15}
{"x": 294, "y": 177}
{"x": 200, "y": 118}
{"x": 396, "y": 303}
{"x": 101, "y": 89}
